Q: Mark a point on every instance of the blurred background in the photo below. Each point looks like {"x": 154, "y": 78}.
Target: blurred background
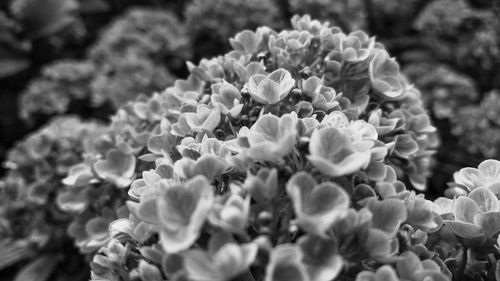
{"x": 87, "y": 57}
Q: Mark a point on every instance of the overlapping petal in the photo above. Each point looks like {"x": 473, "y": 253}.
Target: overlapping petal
{"x": 334, "y": 154}
{"x": 317, "y": 206}
{"x": 272, "y": 88}
{"x": 182, "y": 210}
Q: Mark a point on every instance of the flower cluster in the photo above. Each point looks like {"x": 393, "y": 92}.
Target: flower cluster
{"x": 13, "y": 60}
{"x": 443, "y": 17}
{"x": 478, "y": 126}
{"x": 445, "y": 91}
{"x": 57, "y": 15}
{"x": 459, "y": 80}
{"x": 32, "y": 225}
{"x": 282, "y": 159}
{"x": 468, "y": 242}
{"x": 130, "y": 58}
{"x": 136, "y": 54}
{"x": 59, "y": 85}
{"x": 96, "y": 188}
{"x": 296, "y": 155}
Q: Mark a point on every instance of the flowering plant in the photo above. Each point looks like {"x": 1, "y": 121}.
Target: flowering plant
{"x": 130, "y": 58}
{"x": 32, "y": 227}
{"x": 282, "y": 159}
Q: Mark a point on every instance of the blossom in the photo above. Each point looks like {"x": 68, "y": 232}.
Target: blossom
{"x": 290, "y": 41}
{"x": 182, "y": 210}
{"x": 264, "y": 185}
{"x": 388, "y": 214}
{"x": 221, "y": 264}
{"x": 324, "y": 98}
{"x": 422, "y": 214}
{"x": 91, "y": 234}
{"x": 475, "y": 214}
{"x": 244, "y": 72}
{"x": 335, "y": 154}
{"x": 286, "y": 264}
{"x": 271, "y": 137}
{"x": 411, "y": 268}
{"x": 246, "y": 41}
{"x": 117, "y": 167}
{"x": 205, "y": 119}
{"x": 148, "y": 271}
{"x": 317, "y": 206}
{"x": 79, "y": 175}
{"x": 226, "y": 98}
{"x": 73, "y": 200}
{"x": 383, "y": 273}
{"x": 209, "y": 165}
{"x": 357, "y": 46}
{"x": 306, "y": 23}
{"x": 321, "y": 257}
{"x": 231, "y": 215}
{"x": 272, "y": 88}
{"x": 385, "y": 77}
{"x": 486, "y": 174}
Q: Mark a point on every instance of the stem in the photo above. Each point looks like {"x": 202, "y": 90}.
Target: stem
{"x": 247, "y": 276}
{"x": 461, "y": 270}
{"x": 492, "y": 268}
{"x": 285, "y": 223}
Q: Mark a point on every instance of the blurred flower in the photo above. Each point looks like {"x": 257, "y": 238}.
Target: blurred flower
{"x": 118, "y": 168}
{"x": 263, "y": 186}
{"x": 335, "y": 154}
{"x": 231, "y": 215}
{"x": 383, "y": 273}
{"x": 285, "y": 263}
{"x": 208, "y": 165}
{"x": 222, "y": 264}
{"x": 321, "y": 258}
{"x": 246, "y": 41}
